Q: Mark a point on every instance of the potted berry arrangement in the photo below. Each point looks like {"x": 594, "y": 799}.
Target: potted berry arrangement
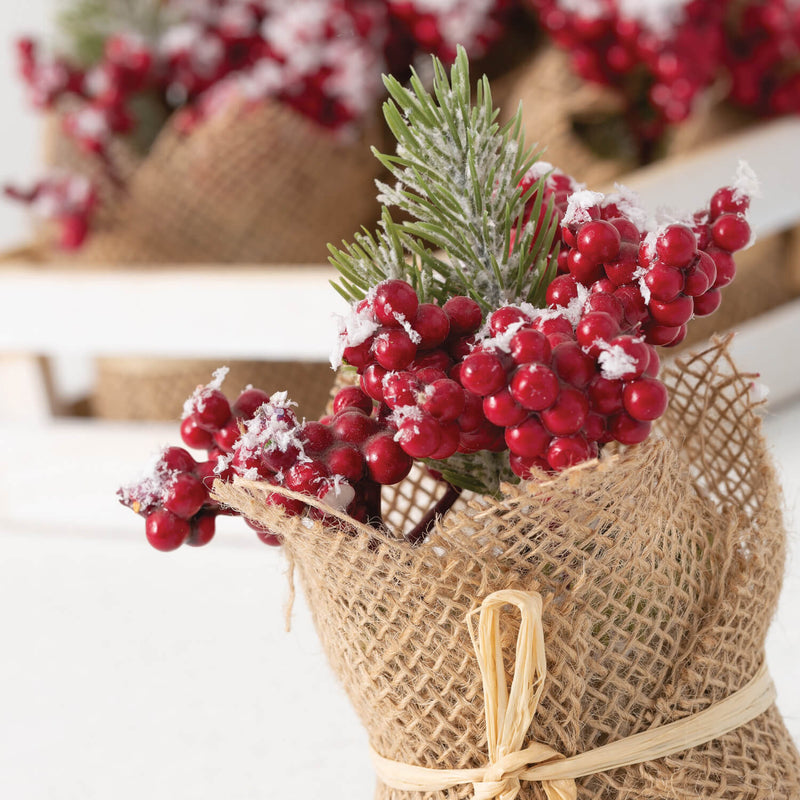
{"x": 540, "y": 563}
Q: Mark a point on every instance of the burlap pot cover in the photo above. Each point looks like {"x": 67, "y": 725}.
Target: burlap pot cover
{"x": 660, "y": 569}
{"x": 254, "y": 183}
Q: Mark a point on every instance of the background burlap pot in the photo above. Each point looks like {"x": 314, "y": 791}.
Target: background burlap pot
{"x": 660, "y": 568}
{"x": 155, "y": 388}
{"x": 254, "y": 183}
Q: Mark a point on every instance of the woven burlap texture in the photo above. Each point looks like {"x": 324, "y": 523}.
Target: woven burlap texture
{"x": 660, "y": 568}
{"x": 254, "y": 183}
{"x": 155, "y": 388}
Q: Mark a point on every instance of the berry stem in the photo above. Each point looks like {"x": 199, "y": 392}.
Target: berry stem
{"x": 418, "y": 534}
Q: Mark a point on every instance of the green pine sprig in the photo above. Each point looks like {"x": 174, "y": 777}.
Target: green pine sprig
{"x": 457, "y": 175}
{"x": 84, "y": 25}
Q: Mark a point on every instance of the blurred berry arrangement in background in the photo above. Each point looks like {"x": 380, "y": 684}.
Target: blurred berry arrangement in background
{"x": 128, "y": 69}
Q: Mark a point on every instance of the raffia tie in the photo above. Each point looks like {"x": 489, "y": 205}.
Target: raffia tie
{"x": 509, "y": 714}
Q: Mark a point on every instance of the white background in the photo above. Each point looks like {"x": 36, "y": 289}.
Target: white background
{"x": 127, "y": 673}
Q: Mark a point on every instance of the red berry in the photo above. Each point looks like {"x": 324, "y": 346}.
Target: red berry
{"x": 675, "y": 313}
{"x": 431, "y": 359}
{"x": 561, "y": 290}
{"x": 627, "y": 430}
{"x": 599, "y": 241}
{"x": 395, "y": 298}
{"x": 594, "y": 328}
{"x": 353, "y": 425}
{"x": 627, "y": 229}
{"x": 584, "y": 269}
{"x": 605, "y": 303}
{"x": 501, "y": 409}
{"x": 551, "y": 325}
{"x": 316, "y": 438}
{"x": 464, "y": 314}
{"x": 731, "y": 232}
{"x": 605, "y": 395}
{"x": 645, "y": 399}
{"x": 632, "y": 303}
{"x": 728, "y": 200}
{"x": 444, "y": 400}
{"x": 194, "y": 436}
{"x": 400, "y": 389}
{"x": 359, "y": 355}
{"x": 186, "y": 495}
{"x": 450, "y": 438}
{"x": 393, "y": 349}
{"x": 660, "y": 335}
{"x": 202, "y": 529}
{"x": 352, "y": 397}
{"x": 177, "y": 459}
{"x": 566, "y": 451}
{"x": 472, "y": 415}
{"x": 526, "y": 467}
{"x": 506, "y": 316}
{"x": 621, "y": 270}
{"x": 726, "y": 267}
{"x": 665, "y": 283}
{"x": 432, "y": 325}
{"x": 528, "y": 438}
{"x": 305, "y": 477}
{"x": 248, "y": 402}
{"x": 482, "y": 373}
{"x": 572, "y": 365}
{"x": 529, "y": 346}
{"x": 638, "y": 354}
{"x": 707, "y": 303}
{"x": 345, "y": 460}
{"x": 227, "y": 436}
{"x": 697, "y": 281}
{"x": 534, "y": 386}
{"x": 212, "y": 410}
{"x": 166, "y": 531}
{"x": 372, "y": 381}
{"x": 419, "y": 436}
{"x": 386, "y": 461}
{"x": 567, "y": 414}
{"x": 676, "y": 245}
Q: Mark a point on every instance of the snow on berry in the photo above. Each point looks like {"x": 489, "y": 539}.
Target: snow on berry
{"x": 746, "y": 183}
{"x": 197, "y": 400}
{"x": 579, "y": 206}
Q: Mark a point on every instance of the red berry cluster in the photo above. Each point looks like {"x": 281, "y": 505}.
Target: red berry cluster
{"x": 437, "y": 29}
{"x": 342, "y": 460}
{"x": 762, "y": 55}
{"x": 405, "y": 352}
{"x": 551, "y": 385}
{"x": 64, "y": 198}
{"x": 655, "y": 281}
{"x": 659, "y": 56}
{"x": 174, "y": 495}
{"x": 173, "y": 498}
{"x": 559, "y": 390}
{"x": 322, "y": 59}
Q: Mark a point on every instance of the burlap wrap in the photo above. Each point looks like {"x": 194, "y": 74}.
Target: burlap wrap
{"x": 660, "y": 568}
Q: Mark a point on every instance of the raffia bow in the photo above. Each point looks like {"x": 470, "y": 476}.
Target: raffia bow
{"x": 509, "y": 714}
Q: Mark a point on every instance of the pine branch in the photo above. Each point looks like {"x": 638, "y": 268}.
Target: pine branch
{"x": 458, "y": 173}
{"x": 84, "y": 25}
